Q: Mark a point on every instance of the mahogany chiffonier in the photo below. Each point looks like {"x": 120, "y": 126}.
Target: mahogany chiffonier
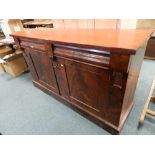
{"x": 94, "y": 71}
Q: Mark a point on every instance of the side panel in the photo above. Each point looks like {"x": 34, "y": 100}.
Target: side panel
{"x": 133, "y": 75}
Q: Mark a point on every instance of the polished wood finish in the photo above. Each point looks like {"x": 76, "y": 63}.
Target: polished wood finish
{"x": 41, "y": 67}
{"x": 108, "y": 39}
{"x": 93, "y": 71}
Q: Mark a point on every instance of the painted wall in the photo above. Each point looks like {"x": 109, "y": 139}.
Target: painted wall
{"x": 128, "y": 23}
{"x": 10, "y": 26}
{"x": 94, "y": 23}
{"x": 145, "y": 23}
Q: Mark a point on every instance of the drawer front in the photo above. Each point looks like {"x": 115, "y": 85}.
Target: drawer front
{"x": 84, "y": 55}
{"x": 33, "y": 45}
{"x": 118, "y": 62}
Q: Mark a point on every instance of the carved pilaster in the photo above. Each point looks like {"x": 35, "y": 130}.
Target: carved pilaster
{"x": 116, "y": 94}
{"x": 118, "y": 79}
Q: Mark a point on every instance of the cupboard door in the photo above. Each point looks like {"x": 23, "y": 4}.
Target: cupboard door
{"x": 94, "y": 89}
{"x": 41, "y": 68}
{"x": 84, "y": 85}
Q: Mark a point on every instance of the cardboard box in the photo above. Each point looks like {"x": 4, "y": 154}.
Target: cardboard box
{"x": 4, "y": 50}
{"x": 14, "y": 64}
{"x": 2, "y": 68}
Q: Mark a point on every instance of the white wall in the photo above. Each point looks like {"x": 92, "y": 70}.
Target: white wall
{"x": 128, "y": 23}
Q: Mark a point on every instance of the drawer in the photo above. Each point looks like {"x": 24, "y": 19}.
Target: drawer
{"x": 91, "y": 56}
{"x": 32, "y": 44}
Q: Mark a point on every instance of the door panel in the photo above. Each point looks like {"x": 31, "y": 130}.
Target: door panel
{"x": 59, "y": 69}
{"x": 94, "y": 89}
{"x": 41, "y": 68}
{"x": 88, "y": 88}
{"x": 87, "y": 85}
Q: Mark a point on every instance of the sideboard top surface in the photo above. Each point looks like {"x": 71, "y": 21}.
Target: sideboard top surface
{"x": 123, "y": 38}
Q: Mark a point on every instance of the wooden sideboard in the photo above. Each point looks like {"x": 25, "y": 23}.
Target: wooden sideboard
{"x": 93, "y": 71}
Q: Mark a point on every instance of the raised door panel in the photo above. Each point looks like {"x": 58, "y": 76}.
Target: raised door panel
{"x": 30, "y": 64}
{"x": 88, "y": 88}
{"x": 41, "y": 68}
{"x": 94, "y": 89}
{"x": 84, "y": 85}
